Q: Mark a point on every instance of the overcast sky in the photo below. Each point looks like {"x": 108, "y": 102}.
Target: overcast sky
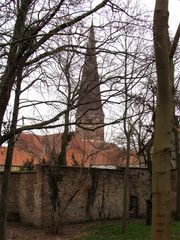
{"x": 174, "y": 12}
{"x": 174, "y": 18}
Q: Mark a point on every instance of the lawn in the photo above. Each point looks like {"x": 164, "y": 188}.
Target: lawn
{"x": 136, "y": 231}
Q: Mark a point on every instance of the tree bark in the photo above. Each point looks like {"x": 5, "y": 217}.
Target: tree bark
{"x": 15, "y": 58}
{"x": 4, "y": 203}
{"x": 173, "y": 48}
{"x": 126, "y": 188}
{"x": 161, "y": 167}
{"x": 177, "y": 149}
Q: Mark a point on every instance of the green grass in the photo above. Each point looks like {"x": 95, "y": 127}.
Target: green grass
{"x": 175, "y": 231}
{"x": 136, "y": 231}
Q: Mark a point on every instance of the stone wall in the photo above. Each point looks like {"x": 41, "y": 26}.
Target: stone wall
{"x": 28, "y": 210}
{"x": 89, "y": 194}
{"x": 16, "y": 193}
{"x": 13, "y": 198}
{"x": 85, "y": 194}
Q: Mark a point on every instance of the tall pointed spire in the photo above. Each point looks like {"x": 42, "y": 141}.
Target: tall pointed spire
{"x": 89, "y": 112}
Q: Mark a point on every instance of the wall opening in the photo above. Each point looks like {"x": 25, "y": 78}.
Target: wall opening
{"x": 133, "y": 206}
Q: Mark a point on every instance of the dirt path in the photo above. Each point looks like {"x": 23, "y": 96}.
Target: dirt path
{"x": 18, "y": 231}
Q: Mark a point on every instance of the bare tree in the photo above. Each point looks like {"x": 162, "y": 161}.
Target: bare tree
{"x": 26, "y": 42}
{"x": 30, "y": 37}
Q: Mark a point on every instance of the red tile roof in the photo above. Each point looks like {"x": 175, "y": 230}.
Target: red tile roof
{"x": 40, "y": 148}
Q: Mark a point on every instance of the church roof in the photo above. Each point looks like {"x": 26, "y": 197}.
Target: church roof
{"x": 39, "y": 149}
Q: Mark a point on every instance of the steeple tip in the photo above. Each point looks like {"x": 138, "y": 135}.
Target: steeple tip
{"x": 92, "y": 22}
{"x": 91, "y": 43}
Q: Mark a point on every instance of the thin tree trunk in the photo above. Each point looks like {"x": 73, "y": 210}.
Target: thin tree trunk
{"x": 127, "y": 134}
{"x": 65, "y": 141}
{"x": 126, "y": 189}
{"x": 66, "y": 137}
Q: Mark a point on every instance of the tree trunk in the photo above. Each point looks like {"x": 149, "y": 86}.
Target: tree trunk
{"x": 14, "y": 59}
{"x": 126, "y": 188}
{"x": 161, "y": 167}
{"x": 5, "y": 190}
{"x": 7, "y": 168}
{"x": 177, "y": 169}
{"x": 65, "y": 141}
{"x": 176, "y": 124}
{"x": 148, "y": 212}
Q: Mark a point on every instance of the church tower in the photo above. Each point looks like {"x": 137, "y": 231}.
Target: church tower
{"x": 89, "y": 111}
